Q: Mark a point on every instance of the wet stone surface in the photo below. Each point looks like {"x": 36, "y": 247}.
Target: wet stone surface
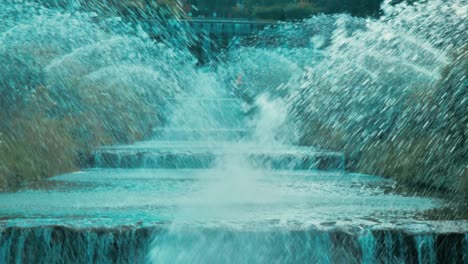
{"x": 129, "y": 196}
{"x": 225, "y": 214}
{"x": 224, "y": 202}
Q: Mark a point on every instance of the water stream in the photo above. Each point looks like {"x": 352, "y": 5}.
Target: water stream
{"x": 221, "y": 176}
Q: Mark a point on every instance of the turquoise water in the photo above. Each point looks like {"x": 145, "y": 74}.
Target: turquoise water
{"x": 112, "y": 197}
{"x": 221, "y": 179}
{"x": 206, "y": 216}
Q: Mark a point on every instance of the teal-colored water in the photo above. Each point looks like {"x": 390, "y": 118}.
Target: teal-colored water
{"x": 112, "y": 197}
{"x": 221, "y": 179}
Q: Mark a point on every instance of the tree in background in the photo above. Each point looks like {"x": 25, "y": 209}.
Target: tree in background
{"x": 131, "y": 9}
{"x": 353, "y": 7}
{"x": 260, "y": 9}
{"x": 300, "y": 9}
{"x": 209, "y": 8}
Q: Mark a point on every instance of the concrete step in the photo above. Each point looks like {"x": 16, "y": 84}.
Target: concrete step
{"x": 188, "y": 133}
{"x": 222, "y": 216}
{"x": 67, "y": 244}
{"x": 188, "y": 154}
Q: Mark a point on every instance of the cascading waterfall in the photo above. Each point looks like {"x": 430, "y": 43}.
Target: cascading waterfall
{"x": 426, "y": 252}
{"x": 220, "y": 178}
{"x": 367, "y": 242}
{"x": 358, "y": 74}
{"x": 465, "y": 248}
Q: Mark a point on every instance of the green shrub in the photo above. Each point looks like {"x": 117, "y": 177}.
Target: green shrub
{"x": 300, "y": 11}
{"x": 284, "y": 11}
{"x": 34, "y": 145}
{"x": 429, "y": 149}
{"x": 269, "y": 12}
{"x": 40, "y": 138}
{"x": 34, "y": 148}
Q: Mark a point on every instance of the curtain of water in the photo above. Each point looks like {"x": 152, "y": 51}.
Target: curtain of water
{"x": 353, "y": 74}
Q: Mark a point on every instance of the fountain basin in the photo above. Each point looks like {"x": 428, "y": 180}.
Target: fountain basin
{"x": 138, "y": 215}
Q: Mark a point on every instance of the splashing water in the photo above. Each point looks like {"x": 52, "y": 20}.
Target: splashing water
{"x": 356, "y": 76}
{"x": 335, "y": 82}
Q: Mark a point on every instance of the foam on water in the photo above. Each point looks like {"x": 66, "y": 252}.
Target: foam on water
{"x": 230, "y": 210}
{"x": 349, "y": 69}
{"x": 229, "y": 214}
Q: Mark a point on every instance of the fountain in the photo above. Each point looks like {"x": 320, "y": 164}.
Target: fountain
{"x": 222, "y": 175}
